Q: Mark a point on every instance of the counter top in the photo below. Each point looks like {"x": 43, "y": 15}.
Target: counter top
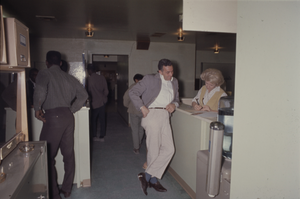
{"x": 202, "y": 115}
{"x": 85, "y": 108}
{"x": 26, "y": 172}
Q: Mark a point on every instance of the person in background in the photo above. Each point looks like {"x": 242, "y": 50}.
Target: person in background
{"x": 64, "y": 66}
{"x": 31, "y": 85}
{"x": 207, "y": 98}
{"x": 156, "y": 96}
{"x": 98, "y": 91}
{"x": 54, "y": 92}
{"x": 135, "y": 117}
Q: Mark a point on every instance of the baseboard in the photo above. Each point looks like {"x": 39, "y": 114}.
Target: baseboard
{"x": 182, "y": 183}
{"x": 85, "y": 183}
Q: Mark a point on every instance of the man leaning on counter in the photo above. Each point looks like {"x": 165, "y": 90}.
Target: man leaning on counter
{"x": 159, "y": 98}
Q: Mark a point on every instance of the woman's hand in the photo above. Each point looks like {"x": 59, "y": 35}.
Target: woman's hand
{"x": 196, "y": 106}
{"x": 206, "y": 108}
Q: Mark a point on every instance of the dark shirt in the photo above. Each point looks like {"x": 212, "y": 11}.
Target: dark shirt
{"x": 98, "y": 91}
{"x": 54, "y": 88}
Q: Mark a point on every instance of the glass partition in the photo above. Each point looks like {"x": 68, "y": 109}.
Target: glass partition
{"x": 216, "y": 50}
{"x": 13, "y": 110}
{"x": 8, "y": 106}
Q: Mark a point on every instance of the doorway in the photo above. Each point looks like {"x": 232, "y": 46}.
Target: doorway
{"x": 115, "y": 70}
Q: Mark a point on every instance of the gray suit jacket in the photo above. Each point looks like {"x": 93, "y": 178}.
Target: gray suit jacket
{"x": 128, "y": 103}
{"x": 148, "y": 88}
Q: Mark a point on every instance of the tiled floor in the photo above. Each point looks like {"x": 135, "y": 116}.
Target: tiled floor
{"x": 114, "y": 168}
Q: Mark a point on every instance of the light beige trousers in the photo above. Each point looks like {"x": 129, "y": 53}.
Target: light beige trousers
{"x": 159, "y": 141}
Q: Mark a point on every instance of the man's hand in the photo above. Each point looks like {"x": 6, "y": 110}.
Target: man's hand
{"x": 145, "y": 111}
{"x": 40, "y": 115}
{"x": 171, "y": 108}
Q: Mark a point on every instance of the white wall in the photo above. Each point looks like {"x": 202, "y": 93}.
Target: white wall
{"x": 267, "y": 102}
{"x": 140, "y": 61}
{"x": 210, "y": 15}
{"x": 266, "y": 147}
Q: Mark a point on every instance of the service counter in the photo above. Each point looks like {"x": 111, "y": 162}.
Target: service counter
{"x": 81, "y": 148}
{"x": 81, "y": 143}
{"x": 191, "y": 134}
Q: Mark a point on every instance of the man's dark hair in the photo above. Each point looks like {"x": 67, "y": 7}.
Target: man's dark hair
{"x": 138, "y": 77}
{"x": 91, "y": 67}
{"x": 64, "y": 66}
{"x": 164, "y": 62}
{"x": 53, "y": 57}
{"x": 31, "y": 72}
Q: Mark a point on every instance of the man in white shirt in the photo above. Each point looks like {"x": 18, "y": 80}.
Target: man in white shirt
{"x": 157, "y": 97}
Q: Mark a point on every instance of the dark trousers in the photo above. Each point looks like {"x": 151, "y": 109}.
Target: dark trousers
{"x": 98, "y": 114}
{"x": 58, "y": 131}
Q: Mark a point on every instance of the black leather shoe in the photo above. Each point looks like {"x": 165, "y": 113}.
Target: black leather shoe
{"x": 66, "y": 194}
{"x": 144, "y": 183}
{"x": 157, "y": 186}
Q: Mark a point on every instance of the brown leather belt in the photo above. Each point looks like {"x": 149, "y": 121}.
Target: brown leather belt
{"x": 156, "y": 108}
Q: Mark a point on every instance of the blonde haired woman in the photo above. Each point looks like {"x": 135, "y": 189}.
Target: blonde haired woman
{"x": 207, "y": 98}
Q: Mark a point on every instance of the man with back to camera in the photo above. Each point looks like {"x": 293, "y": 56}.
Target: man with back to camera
{"x": 159, "y": 98}
{"x": 54, "y": 92}
{"x": 98, "y": 91}
{"x": 135, "y": 117}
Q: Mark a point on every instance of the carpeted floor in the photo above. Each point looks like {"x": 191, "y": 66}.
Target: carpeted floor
{"x": 114, "y": 168}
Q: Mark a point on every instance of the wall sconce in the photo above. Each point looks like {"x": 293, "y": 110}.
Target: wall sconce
{"x": 106, "y": 56}
{"x": 216, "y": 49}
{"x": 89, "y": 32}
{"x": 180, "y": 34}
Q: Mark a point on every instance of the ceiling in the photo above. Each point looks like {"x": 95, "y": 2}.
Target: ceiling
{"x": 133, "y": 20}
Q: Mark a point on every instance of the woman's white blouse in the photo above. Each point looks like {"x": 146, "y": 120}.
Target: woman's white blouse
{"x": 207, "y": 95}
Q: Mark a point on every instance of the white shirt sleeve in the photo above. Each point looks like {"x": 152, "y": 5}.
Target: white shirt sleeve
{"x": 197, "y": 96}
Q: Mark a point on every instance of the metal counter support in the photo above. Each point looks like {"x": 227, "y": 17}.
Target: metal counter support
{"x": 215, "y": 158}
